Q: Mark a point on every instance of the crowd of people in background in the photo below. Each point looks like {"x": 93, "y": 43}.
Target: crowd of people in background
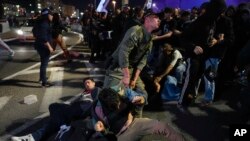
{"x": 189, "y": 48}
{"x": 168, "y": 53}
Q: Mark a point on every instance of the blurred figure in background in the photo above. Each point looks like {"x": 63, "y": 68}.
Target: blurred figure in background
{"x": 6, "y": 47}
{"x": 57, "y": 28}
{"x": 42, "y": 33}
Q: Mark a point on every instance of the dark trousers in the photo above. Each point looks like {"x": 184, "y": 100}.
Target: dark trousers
{"x": 44, "y": 58}
{"x": 145, "y": 126}
{"x": 60, "y": 114}
{"x": 195, "y": 69}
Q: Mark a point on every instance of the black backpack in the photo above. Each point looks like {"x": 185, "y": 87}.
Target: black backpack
{"x": 78, "y": 131}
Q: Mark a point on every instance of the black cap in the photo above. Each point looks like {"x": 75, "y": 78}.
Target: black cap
{"x": 150, "y": 13}
{"x": 204, "y": 5}
{"x": 216, "y": 6}
{"x": 46, "y": 11}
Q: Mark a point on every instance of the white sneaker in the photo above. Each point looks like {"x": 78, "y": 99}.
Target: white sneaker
{"x": 11, "y": 53}
{"x": 28, "y": 137}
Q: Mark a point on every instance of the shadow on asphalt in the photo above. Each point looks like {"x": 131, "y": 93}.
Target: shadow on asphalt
{"x": 21, "y": 83}
{"x": 209, "y": 123}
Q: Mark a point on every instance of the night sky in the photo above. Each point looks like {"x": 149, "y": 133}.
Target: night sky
{"x": 184, "y": 4}
{"x": 81, "y": 4}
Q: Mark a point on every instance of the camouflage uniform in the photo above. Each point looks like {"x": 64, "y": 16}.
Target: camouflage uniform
{"x": 132, "y": 53}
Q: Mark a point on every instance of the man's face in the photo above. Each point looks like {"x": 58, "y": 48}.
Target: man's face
{"x": 89, "y": 85}
{"x": 167, "y": 51}
{"x": 167, "y": 15}
{"x": 154, "y": 21}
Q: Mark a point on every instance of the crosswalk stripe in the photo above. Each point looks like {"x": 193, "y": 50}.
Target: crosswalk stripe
{"x": 52, "y": 94}
{"x": 4, "y": 100}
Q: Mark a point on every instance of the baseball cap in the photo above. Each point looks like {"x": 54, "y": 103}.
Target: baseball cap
{"x": 150, "y": 13}
{"x": 46, "y": 11}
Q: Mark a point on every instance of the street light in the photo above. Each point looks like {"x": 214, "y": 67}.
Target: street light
{"x": 154, "y": 5}
{"x": 114, "y": 3}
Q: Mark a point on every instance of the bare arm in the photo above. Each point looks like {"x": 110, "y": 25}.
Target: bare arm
{"x": 167, "y": 35}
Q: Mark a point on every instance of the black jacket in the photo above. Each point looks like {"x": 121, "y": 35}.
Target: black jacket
{"x": 224, "y": 25}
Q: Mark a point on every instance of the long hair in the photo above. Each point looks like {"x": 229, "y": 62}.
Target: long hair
{"x": 56, "y": 18}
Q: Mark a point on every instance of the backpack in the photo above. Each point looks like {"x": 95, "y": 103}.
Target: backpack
{"x": 78, "y": 131}
{"x": 82, "y": 130}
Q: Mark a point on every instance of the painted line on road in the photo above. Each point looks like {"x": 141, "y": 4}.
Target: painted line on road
{"x": 4, "y": 100}
{"x": 31, "y": 67}
{"x": 37, "y": 71}
{"x": 52, "y": 94}
{"x": 35, "y": 65}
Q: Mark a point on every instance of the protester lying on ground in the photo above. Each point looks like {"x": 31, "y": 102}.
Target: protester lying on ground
{"x": 65, "y": 113}
{"x": 113, "y": 115}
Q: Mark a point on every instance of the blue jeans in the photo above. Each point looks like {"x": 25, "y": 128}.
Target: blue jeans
{"x": 170, "y": 91}
{"x": 180, "y": 69}
{"x": 210, "y": 84}
{"x": 44, "y": 58}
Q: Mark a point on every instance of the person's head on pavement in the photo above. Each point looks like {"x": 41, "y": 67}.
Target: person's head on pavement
{"x": 89, "y": 83}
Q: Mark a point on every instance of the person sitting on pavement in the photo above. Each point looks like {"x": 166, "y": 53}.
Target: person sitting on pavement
{"x": 170, "y": 63}
{"x": 64, "y": 113}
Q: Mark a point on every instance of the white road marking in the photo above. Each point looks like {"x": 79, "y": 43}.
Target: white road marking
{"x": 30, "y": 123}
{"x": 37, "y": 71}
{"x": 4, "y": 100}
{"x": 31, "y": 67}
{"x": 24, "y": 51}
{"x": 52, "y": 94}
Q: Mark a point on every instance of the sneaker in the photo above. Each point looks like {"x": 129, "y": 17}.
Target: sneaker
{"x": 11, "y": 54}
{"x": 28, "y": 137}
{"x": 182, "y": 108}
{"x": 69, "y": 61}
{"x": 47, "y": 84}
{"x": 205, "y": 103}
{"x": 40, "y": 80}
{"x": 91, "y": 61}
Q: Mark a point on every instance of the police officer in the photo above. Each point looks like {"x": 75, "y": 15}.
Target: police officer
{"x": 131, "y": 55}
{"x": 42, "y": 33}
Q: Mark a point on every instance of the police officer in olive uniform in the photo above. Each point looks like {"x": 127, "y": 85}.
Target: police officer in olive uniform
{"x": 130, "y": 57}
